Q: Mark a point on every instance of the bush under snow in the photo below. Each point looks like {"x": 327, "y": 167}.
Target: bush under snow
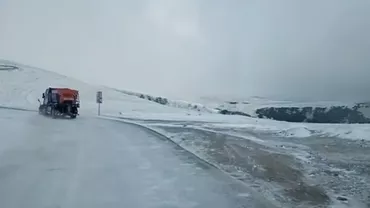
{"x": 333, "y": 114}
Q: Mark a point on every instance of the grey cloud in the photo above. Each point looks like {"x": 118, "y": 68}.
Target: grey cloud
{"x": 311, "y": 50}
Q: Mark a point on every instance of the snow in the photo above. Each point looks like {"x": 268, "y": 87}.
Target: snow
{"x": 296, "y": 132}
{"x": 175, "y": 103}
{"x": 251, "y": 104}
{"x": 346, "y": 131}
{"x": 21, "y": 89}
{"x": 301, "y": 130}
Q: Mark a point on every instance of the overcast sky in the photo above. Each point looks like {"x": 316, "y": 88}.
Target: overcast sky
{"x": 313, "y": 49}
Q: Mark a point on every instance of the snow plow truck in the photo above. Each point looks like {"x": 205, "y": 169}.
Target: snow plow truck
{"x": 60, "y": 102}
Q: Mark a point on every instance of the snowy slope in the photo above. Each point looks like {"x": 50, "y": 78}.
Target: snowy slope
{"x": 171, "y": 102}
{"x": 293, "y": 111}
{"x": 22, "y": 87}
{"x": 251, "y": 104}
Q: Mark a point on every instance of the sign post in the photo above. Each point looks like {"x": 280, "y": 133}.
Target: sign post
{"x": 99, "y": 100}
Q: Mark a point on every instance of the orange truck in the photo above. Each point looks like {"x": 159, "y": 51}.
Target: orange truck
{"x": 60, "y": 102}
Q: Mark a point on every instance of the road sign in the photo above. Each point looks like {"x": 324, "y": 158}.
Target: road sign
{"x": 99, "y": 100}
{"x": 99, "y": 97}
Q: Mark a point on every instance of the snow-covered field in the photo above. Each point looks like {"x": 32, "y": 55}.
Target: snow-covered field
{"x": 182, "y": 104}
{"x": 21, "y": 88}
{"x": 313, "y": 171}
{"x": 251, "y": 104}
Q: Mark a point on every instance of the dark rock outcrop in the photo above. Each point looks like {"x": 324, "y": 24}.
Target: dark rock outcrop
{"x": 333, "y": 114}
{"x": 164, "y": 101}
{"x": 6, "y": 67}
{"x": 228, "y": 112}
{"x": 160, "y": 100}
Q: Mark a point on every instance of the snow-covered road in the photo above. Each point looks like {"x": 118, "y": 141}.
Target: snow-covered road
{"x": 92, "y": 162}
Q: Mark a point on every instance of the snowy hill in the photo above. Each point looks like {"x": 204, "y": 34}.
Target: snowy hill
{"x": 21, "y": 86}
{"x": 172, "y": 103}
{"x": 292, "y": 111}
{"x": 358, "y": 113}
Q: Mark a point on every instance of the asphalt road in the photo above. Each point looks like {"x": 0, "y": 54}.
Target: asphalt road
{"x": 96, "y": 163}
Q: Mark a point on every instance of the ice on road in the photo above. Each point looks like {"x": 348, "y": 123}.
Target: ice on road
{"x": 91, "y": 162}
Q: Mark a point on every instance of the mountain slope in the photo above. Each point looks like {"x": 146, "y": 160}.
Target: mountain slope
{"x": 291, "y": 111}
{"x": 22, "y": 85}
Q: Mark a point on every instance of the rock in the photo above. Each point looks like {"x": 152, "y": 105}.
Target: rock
{"x": 341, "y": 198}
{"x": 227, "y": 112}
{"x": 333, "y": 114}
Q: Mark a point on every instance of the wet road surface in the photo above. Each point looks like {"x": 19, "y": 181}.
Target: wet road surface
{"x": 90, "y": 162}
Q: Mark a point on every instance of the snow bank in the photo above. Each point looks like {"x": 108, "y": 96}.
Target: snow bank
{"x": 301, "y": 130}
{"x": 251, "y": 104}
{"x": 296, "y": 132}
{"x": 173, "y": 103}
{"x": 241, "y": 123}
{"x": 292, "y": 111}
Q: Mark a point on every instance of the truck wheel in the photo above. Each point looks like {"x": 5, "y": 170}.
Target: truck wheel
{"x": 53, "y": 113}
